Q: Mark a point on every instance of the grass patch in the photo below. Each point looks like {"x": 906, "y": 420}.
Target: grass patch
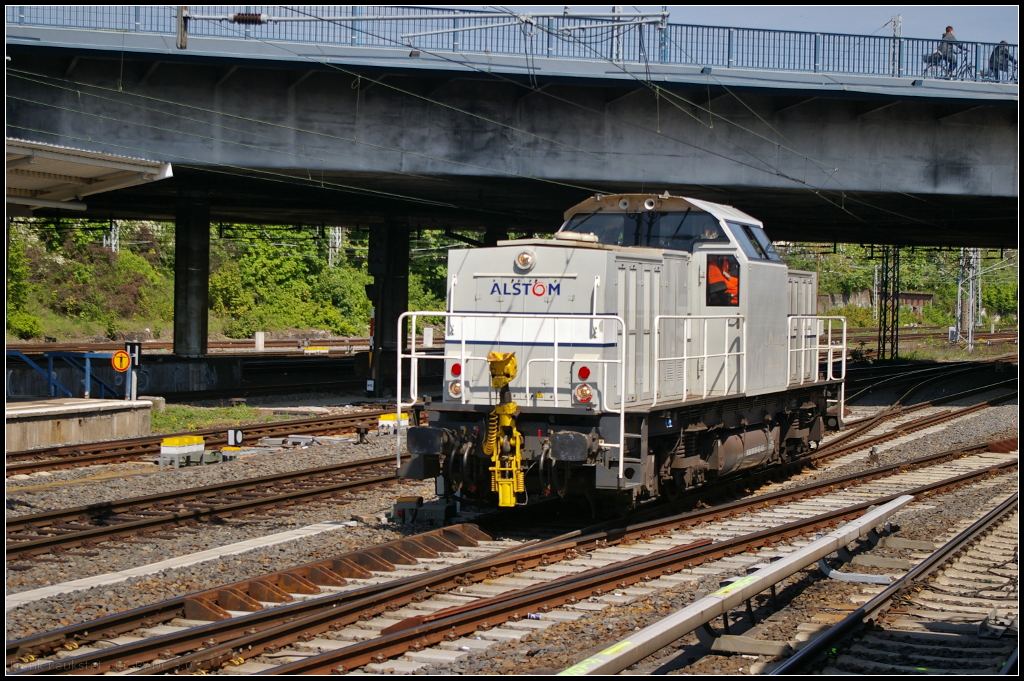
{"x": 952, "y": 353}
{"x": 179, "y": 418}
{"x": 940, "y": 351}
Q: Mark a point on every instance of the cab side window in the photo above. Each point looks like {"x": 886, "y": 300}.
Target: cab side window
{"x": 723, "y": 289}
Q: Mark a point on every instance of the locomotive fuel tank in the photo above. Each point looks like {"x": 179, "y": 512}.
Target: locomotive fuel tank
{"x": 747, "y": 448}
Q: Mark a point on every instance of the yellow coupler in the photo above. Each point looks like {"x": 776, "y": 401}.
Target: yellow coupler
{"x": 504, "y": 441}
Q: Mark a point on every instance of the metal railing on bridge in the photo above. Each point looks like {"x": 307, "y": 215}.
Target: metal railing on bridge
{"x": 635, "y": 39}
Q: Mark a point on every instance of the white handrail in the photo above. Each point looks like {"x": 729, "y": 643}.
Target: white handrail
{"x": 464, "y": 358}
{"x": 804, "y": 349}
{"x": 687, "y": 332}
{"x": 829, "y": 349}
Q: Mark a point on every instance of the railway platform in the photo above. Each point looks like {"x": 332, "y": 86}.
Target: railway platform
{"x": 71, "y": 420}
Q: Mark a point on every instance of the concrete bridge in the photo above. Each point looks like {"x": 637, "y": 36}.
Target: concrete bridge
{"x": 497, "y": 123}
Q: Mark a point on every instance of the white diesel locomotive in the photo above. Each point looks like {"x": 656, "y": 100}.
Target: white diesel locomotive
{"x": 655, "y": 343}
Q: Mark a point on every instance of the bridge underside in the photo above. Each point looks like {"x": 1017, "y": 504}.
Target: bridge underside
{"x": 345, "y": 145}
{"x": 520, "y": 205}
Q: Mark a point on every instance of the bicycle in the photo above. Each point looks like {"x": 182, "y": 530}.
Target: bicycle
{"x": 954, "y": 65}
{"x": 994, "y": 72}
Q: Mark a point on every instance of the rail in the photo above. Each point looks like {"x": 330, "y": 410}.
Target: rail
{"x": 626, "y": 38}
{"x": 653, "y": 638}
{"x": 463, "y": 357}
{"x": 834, "y": 635}
{"x": 687, "y": 335}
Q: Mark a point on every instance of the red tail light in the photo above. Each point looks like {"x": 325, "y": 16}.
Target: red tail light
{"x": 456, "y": 369}
{"x": 584, "y": 373}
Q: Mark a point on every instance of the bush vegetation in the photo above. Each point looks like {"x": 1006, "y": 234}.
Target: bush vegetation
{"x": 64, "y": 280}
{"x": 849, "y": 269}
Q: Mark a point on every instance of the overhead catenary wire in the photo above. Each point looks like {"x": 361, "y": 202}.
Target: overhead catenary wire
{"x": 397, "y": 150}
{"x": 657, "y": 89}
{"x": 822, "y": 166}
{"x": 406, "y": 151}
{"x": 658, "y": 92}
{"x": 545, "y": 93}
{"x": 669, "y": 94}
{"x": 395, "y": 88}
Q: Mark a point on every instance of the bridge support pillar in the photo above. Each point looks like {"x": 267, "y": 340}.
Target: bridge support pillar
{"x": 495, "y": 233}
{"x": 889, "y": 304}
{"x": 191, "y": 273}
{"x": 389, "y": 293}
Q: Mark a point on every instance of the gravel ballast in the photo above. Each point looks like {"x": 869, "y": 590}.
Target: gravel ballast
{"x": 550, "y": 650}
{"x": 46, "y": 494}
{"x": 111, "y": 557}
{"x": 803, "y": 595}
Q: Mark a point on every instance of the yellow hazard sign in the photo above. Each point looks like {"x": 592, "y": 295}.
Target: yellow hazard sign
{"x": 121, "y": 360}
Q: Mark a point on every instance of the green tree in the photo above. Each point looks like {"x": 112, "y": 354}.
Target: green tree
{"x": 275, "y": 278}
{"x": 20, "y": 322}
{"x": 999, "y": 298}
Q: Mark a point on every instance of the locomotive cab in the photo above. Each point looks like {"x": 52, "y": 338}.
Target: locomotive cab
{"x": 654, "y": 343}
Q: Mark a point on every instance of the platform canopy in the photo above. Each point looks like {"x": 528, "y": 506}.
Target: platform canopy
{"x": 50, "y": 176}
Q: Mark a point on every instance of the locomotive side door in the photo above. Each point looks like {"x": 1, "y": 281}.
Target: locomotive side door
{"x": 670, "y": 337}
{"x": 638, "y": 300}
{"x": 719, "y": 295}
{"x": 625, "y": 291}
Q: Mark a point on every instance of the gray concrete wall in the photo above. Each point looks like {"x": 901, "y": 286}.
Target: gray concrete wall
{"x": 70, "y": 421}
{"x": 428, "y": 125}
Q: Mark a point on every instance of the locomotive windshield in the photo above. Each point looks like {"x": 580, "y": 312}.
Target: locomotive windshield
{"x": 677, "y": 230}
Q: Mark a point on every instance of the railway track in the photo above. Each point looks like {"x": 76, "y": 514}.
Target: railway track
{"x": 285, "y": 345}
{"x": 871, "y": 431}
{"x": 460, "y": 606}
{"x": 954, "y": 613}
{"x": 133, "y": 449}
{"x": 355, "y": 344}
{"x": 87, "y": 527}
{"x": 916, "y": 334}
{"x": 866, "y": 382}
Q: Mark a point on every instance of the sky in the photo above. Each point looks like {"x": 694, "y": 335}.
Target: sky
{"x": 990, "y": 23}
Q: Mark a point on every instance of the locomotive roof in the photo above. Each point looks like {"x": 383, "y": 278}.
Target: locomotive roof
{"x": 610, "y": 203}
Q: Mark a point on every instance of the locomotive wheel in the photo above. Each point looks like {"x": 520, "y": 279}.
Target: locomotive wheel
{"x": 455, "y": 468}
{"x": 672, "y": 490}
{"x": 669, "y": 490}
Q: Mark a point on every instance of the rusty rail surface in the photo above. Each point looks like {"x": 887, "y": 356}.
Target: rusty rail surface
{"x": 86, "y": 526}
{"x": 487, "y": 613}
{"x": 863, "y": 617}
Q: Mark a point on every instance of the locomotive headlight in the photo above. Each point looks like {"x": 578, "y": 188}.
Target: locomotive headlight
{"x": 525, "y": 261}
{"x": 583, "y": 393}
{"x": 455, "y": 388}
